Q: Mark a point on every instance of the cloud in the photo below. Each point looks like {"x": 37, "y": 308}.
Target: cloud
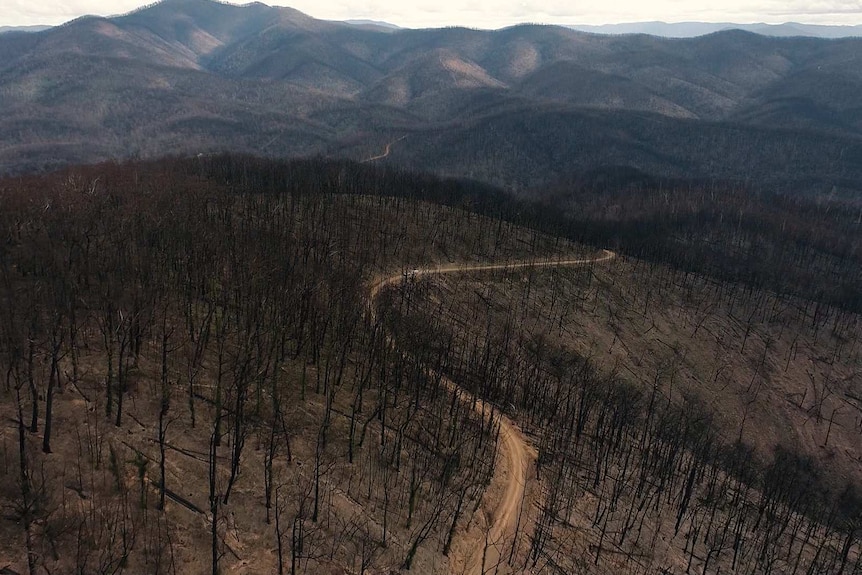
{"x": 486, "y": 13}
{"x": 29, "y": 12}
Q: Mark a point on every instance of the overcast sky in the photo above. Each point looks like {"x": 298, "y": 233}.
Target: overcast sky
{"x": 491, "y": 13}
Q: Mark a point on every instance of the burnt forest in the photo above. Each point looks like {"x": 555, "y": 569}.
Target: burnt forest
{"x": 292, "y": 296}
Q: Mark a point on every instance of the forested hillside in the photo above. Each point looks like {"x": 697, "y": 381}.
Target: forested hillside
{"x": 192, "y": 382}
{"x": 230, "y": 364}
{"x": 683, "y": 424}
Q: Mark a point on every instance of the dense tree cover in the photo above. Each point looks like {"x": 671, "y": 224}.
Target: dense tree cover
{"x": 808, "y": 246}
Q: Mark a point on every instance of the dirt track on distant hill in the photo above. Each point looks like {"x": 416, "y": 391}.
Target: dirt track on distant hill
{"x": 481, "y": 550}
{"x": 385, "y": 153}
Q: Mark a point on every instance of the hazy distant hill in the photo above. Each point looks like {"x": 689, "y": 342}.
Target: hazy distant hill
{"x": 520, "y": 106}
{"x": 5, "y": 29}
{"x": 372, "y": 24}
{"x": 693, "y": 29}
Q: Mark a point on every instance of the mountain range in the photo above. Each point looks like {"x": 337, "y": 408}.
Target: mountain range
{"x": 520, "y": 107}
{"x": 664, "y": 29}
{"x": 5, "y": 29}
{"x": 694, "y": 29}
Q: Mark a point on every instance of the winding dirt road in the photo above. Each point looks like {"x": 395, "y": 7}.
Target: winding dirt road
{"x": 482, "y": 550}
{"x": 385, "y": 153}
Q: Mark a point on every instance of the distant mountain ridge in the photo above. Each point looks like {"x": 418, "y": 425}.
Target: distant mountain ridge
{"x": 656, "y": 28}
{"x": 5, "y": 29}
{"x": 694, "y": 29}
{"x": 373, "y": 23}
{"x": 520, "y": 107}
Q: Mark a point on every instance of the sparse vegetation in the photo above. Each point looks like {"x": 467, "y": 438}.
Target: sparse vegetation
{"x": 190, "y": 371}
{"x": 196, "y": 381}
{"x": 683, "y": 424}
{"x": 232, "y": 364}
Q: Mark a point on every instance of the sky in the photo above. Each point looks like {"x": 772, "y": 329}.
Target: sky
{"x": 490, "y": 13}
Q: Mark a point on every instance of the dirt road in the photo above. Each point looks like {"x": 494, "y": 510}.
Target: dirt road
{"x": 385, "y": 153}
{"x": 482, "y": 549}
